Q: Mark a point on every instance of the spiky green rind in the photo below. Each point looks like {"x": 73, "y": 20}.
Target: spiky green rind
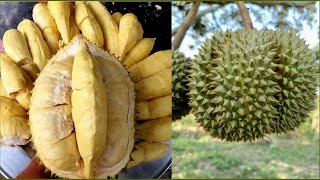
{"x": 244, "y": 85}
{"x": 180, "y": 105}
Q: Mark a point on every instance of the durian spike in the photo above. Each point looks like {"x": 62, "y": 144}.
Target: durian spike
{"x": 130, "y": 32}
{"x": 151, "y": 65}
{"x": 14, "y": 130}
{"x": 38, "y": 47}
{"x": 74, "y": 30}
{"x": 89, "y": 108}
{"x": 155, "y": 86}
{"x": 60, "y": 11}
{"x": 108, "y": 26}
{"x": 157, "y": 130}
{"x": 117, "y": 17}
{"x": 42, "y": 17}
{"x": 146, "y": 151}
{"x": 155, "y": 108}
{"x": 88, "y": 25}
{"x": 15, "y": 46}
{"x": 140, "y": 51}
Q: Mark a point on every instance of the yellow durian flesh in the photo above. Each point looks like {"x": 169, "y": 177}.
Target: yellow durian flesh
{"x": 15, "y": 45}
{"x": 151, "y": 65}
{"x": 140, "y": 51}
{"x": 54, "y": 86}
{"x": 42, "y": 17}
{"x": 10, "y": 108}
{"x": 157, "y": 130}
{"x": 155, "y": 108}
{"x": 74, "y": 29}
{"x": 116, "y": 17}
{"x": 130, "y": 31}
{"x": 14, "y": 131}
{"x": 38, "y": 47}
{"x": 16, "y": 83}
{"x": 113, "y": 76}
{"x": 108, "y": 26}
{"x": 31, "y": 69}
{"x": 89, "y": 108}
{"x": 88, "y": 25}
{"x": 146, "y": 151}
{"x": 60, "y": 11}
{"x": 51, "y": 133}
{"x": 12, "y": 77}
{"x": 3, "y": 92}
{"x": 14, "y": 128}
{"x": 155, "y": 86}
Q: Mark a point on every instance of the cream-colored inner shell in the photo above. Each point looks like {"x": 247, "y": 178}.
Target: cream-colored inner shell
{"x": 51, "y": 122}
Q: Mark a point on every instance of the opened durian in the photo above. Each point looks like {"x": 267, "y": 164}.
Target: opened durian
{"x": 244, "y": 85}
{"x": 180, "y": 68}
{"x": 96, "y": 78}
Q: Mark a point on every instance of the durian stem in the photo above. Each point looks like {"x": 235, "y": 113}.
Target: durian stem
{"x": 181, "y": 32}
{"x": 245, "y": 15}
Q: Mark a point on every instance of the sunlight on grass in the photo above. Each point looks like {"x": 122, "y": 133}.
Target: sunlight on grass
{"x": 197, "y": 155}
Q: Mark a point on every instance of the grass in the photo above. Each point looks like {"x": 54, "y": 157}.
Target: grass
{"x": 197, "y": 155}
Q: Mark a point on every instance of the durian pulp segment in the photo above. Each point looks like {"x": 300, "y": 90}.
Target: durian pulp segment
{"x": 130, "y": 32}
{"x": 146, "y": 151}
{"x": 42, "y": 17}
{"x": 38, "y": 47}
{"x": 89, "y": 108}
{"x": 120, "y": 122}
{"x": 157, "y": 130}
{"x": 14, "y": 128}
{"x": 88, "y": 25}
{"x": 60, "y": 11}
{"x": 108, "y": 26}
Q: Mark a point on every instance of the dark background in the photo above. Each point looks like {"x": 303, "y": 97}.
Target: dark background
{"x": 155, "y": 23}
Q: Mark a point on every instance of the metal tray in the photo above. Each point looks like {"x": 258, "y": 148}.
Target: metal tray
{"x": 156, "y": 23}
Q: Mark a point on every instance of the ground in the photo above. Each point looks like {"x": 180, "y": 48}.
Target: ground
{"x": 197, "y": 155}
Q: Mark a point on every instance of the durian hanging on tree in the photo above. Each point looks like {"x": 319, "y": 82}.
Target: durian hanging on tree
{"x": 246, "y": 84}
{"x": 180, "y": 67}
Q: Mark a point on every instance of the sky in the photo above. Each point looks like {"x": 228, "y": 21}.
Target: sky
{"x": 310, "y": 35}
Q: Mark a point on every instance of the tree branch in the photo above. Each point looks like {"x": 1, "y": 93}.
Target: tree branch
{"x": 181, "y": 32}
{"x": 245, "y": 15}
{"x": 199, "y": 15}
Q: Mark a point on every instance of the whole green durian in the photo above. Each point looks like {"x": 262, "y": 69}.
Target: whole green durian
{"x": 180, "y": 69}
{"x": 246, "y": 84}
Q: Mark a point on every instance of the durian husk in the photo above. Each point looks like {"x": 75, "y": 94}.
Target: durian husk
{"x": 121, "y": 106}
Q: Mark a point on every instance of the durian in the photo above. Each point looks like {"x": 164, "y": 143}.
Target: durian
{"x": 245, "y": 85}
{"x": 180, "y": 68}
{"x": 85, "y": 100}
